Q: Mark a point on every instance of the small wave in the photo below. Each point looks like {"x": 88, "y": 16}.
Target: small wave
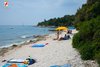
{"x": 6, "y": 46}
{"x": 25, "y": 36}
{"x": 9, "y": 45}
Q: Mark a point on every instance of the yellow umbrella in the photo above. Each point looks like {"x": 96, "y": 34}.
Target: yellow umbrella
{"x": 61, "y": 28}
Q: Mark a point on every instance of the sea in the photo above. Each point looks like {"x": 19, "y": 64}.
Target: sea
{"x": 16, "y": 34}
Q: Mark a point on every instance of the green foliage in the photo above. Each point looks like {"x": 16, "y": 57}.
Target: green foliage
{"x": 97, "y": 56}
{"x": 76, "y": 39}
{"x": 86, "y": 51}
{"x": 87, "y": 41}
{"x": 67, "y": 20}
{"x": 96, "y": 36}
{"x": 88, "y": 11}
{"x": 87, "y": 20}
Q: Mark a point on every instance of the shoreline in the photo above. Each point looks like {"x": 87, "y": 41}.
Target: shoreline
{"x": 6, "y": 49}
{"x": 32, "y": 38}
{"x": 57, "y": 52}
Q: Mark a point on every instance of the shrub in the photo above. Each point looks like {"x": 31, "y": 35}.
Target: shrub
{"x": 97, "y": 57}
{"x": 76, "y": 40}
{"x": 86, "y": 51}
{"x": 87, "y": 40}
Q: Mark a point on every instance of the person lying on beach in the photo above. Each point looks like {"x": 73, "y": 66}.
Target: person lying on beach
{"x": 66, "y": 37}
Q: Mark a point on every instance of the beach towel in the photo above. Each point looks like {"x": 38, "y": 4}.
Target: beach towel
{"x": 55, "y": 66}
{"x": 39, "y": 45}
{"x": 65, "y": 65}
{"x": 15, "y": 65}
{"x": 16, "y": 60}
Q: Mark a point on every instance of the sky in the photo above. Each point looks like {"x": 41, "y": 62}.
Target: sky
{"x": 30, "y": 12}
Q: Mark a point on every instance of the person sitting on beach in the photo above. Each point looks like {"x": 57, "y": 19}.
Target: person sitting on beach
{"x": 57, "y": 36}
{"x": 69, "y": 32}
{"x": 68, "y": 36}
{"x": 65, "y": 37}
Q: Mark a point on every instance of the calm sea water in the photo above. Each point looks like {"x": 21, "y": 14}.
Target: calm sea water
{"x": 16, "y": 34}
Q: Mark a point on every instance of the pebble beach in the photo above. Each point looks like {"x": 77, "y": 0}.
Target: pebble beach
{"x": 55, "y": 53}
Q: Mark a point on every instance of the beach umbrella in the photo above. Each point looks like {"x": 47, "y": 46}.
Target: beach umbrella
{"x": 61, "y": 29}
